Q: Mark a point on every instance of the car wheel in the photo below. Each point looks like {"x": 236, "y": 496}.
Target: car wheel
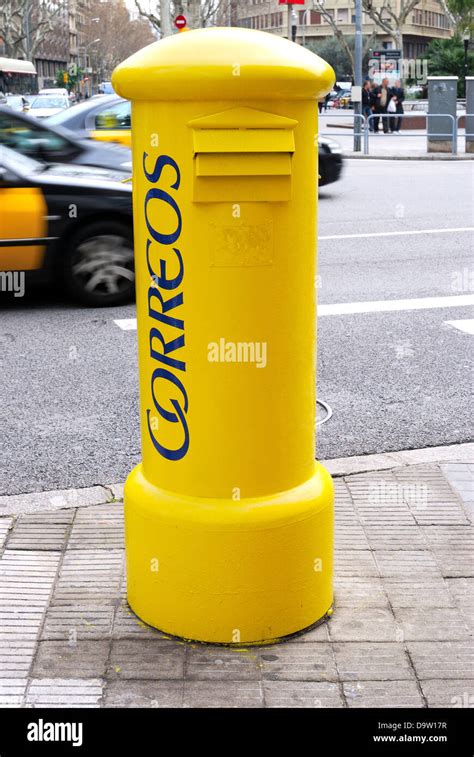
{"x": 98, "y": 267}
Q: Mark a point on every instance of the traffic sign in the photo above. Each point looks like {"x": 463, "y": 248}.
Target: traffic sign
{"x": 180, "y": 22}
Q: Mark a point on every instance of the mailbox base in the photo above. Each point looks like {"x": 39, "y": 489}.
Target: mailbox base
{"x": 230, "y": 572}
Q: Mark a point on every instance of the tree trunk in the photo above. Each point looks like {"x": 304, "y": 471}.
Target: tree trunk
{"x": 165, "y": 18}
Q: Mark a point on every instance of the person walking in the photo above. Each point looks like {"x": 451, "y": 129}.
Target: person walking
{"x": 382, "y": 97}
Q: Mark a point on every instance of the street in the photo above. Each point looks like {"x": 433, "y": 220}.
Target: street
{"x": 394, "y": 380}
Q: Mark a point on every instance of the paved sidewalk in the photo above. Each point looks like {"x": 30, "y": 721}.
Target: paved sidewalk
{"x": 409, "y": 144}
{"x": 401, "y": 633}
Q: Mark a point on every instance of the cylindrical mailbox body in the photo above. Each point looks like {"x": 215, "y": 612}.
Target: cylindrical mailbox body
{"x": 228, "y": 519}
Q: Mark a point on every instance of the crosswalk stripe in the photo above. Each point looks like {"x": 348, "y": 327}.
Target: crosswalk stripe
{"x": 405, "y": 232}
{"x": 126, "y": 324}
{"x": 466, "y": 325}
{"x": 352, "y": 308}
{"x": 386, "y": 306}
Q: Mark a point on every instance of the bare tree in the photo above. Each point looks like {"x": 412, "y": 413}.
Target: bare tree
{"x": 390, "y": 16}
{"x": 340, "y": 36}
{"x": 120, "y": 36}
{"x": 160, "y": 18}
{"x": 460, "y": 13}
{"x": 198, "y": 13}
{"x": 26, "y": 24}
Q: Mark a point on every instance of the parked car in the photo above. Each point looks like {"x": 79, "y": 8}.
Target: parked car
{"x": 43, "y": 106}
{"x": 52, "y": 144}
{"x": 54, "y": 91}
{"x": 18, "y": 103}
{"x": 330, "y": 161}
{"x": 105, "y": 118}
{"x": 70, "y": 222}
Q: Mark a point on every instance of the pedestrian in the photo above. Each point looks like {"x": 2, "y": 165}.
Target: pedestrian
{"x": 399, "y": 93}
{"x": 382, "y": 97}
{"x": 367, "y": 103}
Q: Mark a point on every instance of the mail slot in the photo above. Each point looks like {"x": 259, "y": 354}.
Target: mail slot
{"x": 228, "y": 518}
{"x": 247, "y": 146}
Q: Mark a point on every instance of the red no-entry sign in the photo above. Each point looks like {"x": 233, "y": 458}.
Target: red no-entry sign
{"x": 180, "y": 22}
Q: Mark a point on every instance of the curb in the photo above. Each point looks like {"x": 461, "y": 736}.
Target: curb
{"x": 50, "y": 501}
{"x": 451, "y": 453}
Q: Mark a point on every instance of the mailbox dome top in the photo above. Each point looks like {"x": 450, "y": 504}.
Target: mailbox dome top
{"x": 223, "y": 63}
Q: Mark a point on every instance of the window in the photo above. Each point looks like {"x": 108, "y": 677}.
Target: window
{"x": 33, "y": 140}
{"x": 112, "y": 117}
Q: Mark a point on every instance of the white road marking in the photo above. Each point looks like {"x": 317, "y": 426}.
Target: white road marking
{"x": 386, "y": 306}
{"x": 127, "y": 324}
{"x": 397, "y": 233}
{"x": 467, "y": 325}
{"x": 381, "y": 306}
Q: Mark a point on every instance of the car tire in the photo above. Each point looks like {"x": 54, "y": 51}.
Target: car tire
{"x": 98, "y": 265}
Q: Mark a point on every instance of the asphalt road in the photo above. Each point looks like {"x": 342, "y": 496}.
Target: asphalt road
{"x": 394, "y": 380}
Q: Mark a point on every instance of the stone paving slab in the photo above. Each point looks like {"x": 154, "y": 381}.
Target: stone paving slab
{"x": 78, "y": 621}
{"x": 376, "y": 624}
{"x": 302, "y": 694}
{"x": 373, "y": 662}
{"x": 400, "y": 635}
{"x": 64, "y": 692}
{"x": 144, "y": 694}
{"x": 433, "y": 624}
{"x": 99, "y": 527}
{"x": 360, "y": 593}
{"x": 389, "y": 694}
{"x": 58, "y": 659}
{"x": 146, "y": 658}
{"x": 211, "y": 664}
{"x": 45, "y": 531}
{"x": 423, "y": 593}
{"x": 40, "y": 502}
{"x": 298, "y": 662}
{"x": 462, "y": 591}
{"x": 217, "y": 694}
{"x": 442, "y": 659}
{"x": 442, "y": 693}
{"x": 5, "y": 525}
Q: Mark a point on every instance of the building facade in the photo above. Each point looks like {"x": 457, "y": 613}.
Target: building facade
{"x": 425, "y": 23}
{"x": 65, "y": 45}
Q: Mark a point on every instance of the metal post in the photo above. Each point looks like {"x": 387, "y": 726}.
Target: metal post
{"x": 358, "y": 68}
{"x": 366, "y": 135}
{"x": 290, "y": 8}
{"x": 466, "y": 39}
{"x": 303, "y": 32}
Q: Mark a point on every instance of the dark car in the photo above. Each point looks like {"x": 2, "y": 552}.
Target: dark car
{"x": 39, "y": 140}
{"x": 330, "y": 161}
{"x": 71, "y": 222}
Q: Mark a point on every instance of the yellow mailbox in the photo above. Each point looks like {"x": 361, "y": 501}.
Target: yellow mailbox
{"x": 229, "y": 519}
